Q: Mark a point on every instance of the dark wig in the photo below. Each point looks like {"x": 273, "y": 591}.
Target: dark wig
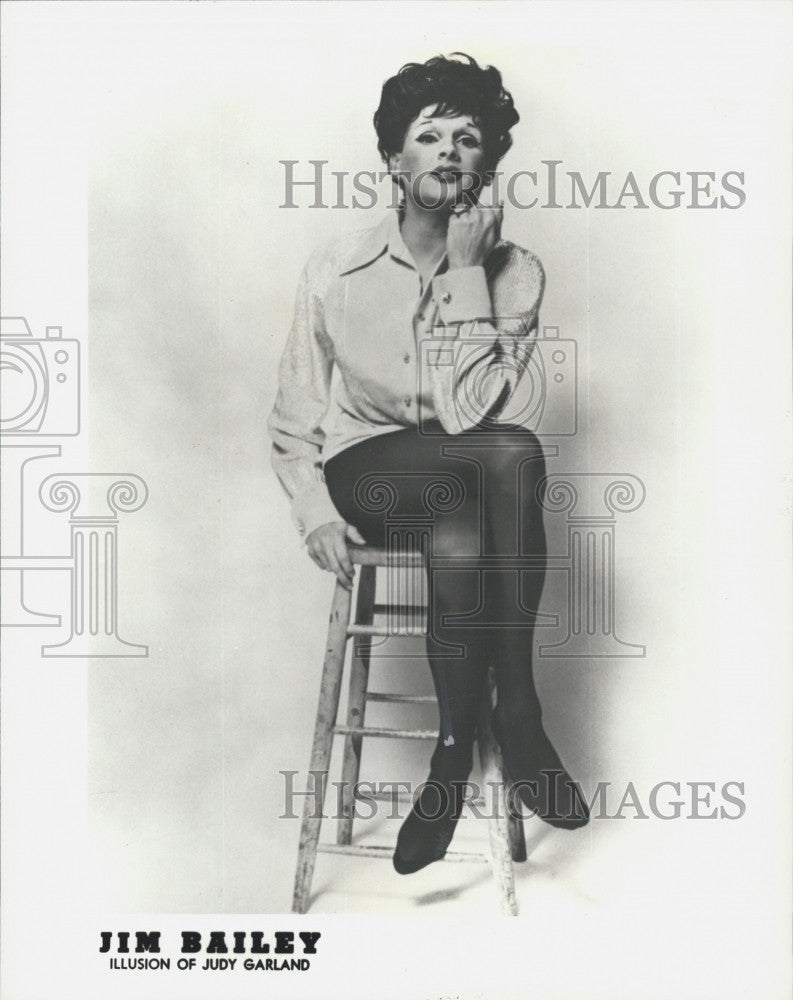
{"x": 454, "y": 87}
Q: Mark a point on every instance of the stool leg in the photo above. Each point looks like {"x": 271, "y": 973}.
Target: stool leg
{"x": 356, "y": 702}
{"x": 330, "y": 687}
{"x": 501, "y": 845}
{"x": 517, "y": 840}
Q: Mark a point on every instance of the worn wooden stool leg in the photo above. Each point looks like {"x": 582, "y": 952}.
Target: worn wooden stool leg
{"x": 501, "y": 846}
{"x": 356, "y": 702}
{"x": 330, "y": 687}
{"x": 517, "y": 839}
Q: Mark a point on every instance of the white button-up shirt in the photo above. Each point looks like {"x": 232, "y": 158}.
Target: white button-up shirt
{"x": 372, "y": 351}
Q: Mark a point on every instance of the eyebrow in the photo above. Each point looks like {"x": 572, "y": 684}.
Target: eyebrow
{"x": 429, "y": 121}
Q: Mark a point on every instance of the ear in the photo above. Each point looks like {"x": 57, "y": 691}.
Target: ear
{"x": 394, "y": 161}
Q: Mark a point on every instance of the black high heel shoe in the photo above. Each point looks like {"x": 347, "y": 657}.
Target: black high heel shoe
{"x": 425, "y": 835}
{"x": 537, "y": 776}
{"x": 428, "y": 830}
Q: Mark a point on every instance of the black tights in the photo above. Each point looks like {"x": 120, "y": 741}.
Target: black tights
{"x": 478, "y": 495}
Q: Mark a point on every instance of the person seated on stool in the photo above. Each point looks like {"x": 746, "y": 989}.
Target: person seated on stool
{"x": 369, "y": 304}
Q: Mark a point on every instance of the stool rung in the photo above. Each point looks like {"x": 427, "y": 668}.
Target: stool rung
{"x": 378, "y": 851}
{"x": 404, "y": 799}
{"x": 413, "y": 699}
{"x": 386, "y": 630}
{"x": 406, "y": 734}
{"x": 383, "y": 609}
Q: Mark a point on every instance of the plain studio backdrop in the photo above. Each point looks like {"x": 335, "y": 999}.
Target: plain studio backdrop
{"x": 179, "y": 115}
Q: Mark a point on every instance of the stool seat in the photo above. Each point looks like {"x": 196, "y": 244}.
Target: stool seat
{"x": 505, "y": 829}
{"x": 368, "y": 555}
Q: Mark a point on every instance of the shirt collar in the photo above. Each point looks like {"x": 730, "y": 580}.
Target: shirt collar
{"x": 386, "y": 235}
{"x": 374, "y": 242}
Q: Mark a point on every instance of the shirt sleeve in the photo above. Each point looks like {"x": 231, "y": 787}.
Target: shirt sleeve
{"x": 485, "y": 338}
{"x": 301, "y": 403}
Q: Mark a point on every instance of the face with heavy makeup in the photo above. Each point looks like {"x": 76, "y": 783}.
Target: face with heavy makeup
{"x": 442, "y": 158}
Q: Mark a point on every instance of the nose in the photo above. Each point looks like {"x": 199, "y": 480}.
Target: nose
{"x": 449, "y": 151}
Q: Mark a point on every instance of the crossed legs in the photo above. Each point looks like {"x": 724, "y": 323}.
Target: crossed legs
{"x": 485, "y": 561}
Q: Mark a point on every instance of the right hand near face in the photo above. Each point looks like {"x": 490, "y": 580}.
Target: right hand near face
{"x": 473, "y": 232}
{"x": 327, "y": 546}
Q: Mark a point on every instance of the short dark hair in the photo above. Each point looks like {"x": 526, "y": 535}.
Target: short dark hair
{"x": 456, "y": 86}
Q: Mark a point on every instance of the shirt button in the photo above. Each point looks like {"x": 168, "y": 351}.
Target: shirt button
{"x": 422, "y": 317}
{"x": 406, "y": 359}
{"x": 446, "y": 297}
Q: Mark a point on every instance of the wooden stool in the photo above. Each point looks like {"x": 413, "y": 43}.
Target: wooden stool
{"x": 506, "y": 830}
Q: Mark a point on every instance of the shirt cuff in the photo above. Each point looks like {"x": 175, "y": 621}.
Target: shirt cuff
{"x": 312, "y": 508}
{"x": 462, "y": 295}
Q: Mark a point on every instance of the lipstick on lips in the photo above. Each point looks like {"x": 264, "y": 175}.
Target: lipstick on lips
{"x": 447, "y": 173}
